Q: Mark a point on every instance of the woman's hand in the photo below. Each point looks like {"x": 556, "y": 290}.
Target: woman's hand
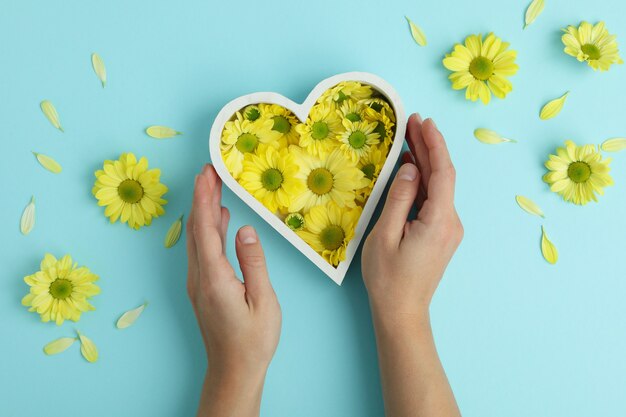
{"x": 403, "y": 262}
{"x": 240, "y": 322}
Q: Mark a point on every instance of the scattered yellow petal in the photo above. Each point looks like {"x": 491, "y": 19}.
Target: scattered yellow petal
{"x": 59, "y": 345}
{"x": 128, "y": 318}
{"x": 173, "y": 234}
{"x": 553, "y": 107}
{"x": 27, "y": 222}
{"x": 548, "y": 250}
{"x": 613, "y": 145}
{"x": 528, "y": 205}
{"x": 51, "y": 113}
{"x": 162, "y": 132}
{"x": 534, "y": 10}
{"x": 490, "y": 137}
{"x": 99, "y": 68}
{"x": 417, "y": 33}
{"x": 88, "y": 348}
{"x": 48, "y": 163}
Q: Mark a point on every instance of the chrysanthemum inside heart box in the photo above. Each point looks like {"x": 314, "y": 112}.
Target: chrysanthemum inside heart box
{"x": 314, "y": 171}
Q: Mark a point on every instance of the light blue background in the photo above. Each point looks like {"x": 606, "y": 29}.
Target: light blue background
{"x": 517, "y": 336}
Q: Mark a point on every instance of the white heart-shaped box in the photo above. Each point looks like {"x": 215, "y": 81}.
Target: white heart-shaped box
{"x": 301, "y": 111}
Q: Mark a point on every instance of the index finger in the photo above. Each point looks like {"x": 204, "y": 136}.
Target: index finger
{"x": 207, "y": 222}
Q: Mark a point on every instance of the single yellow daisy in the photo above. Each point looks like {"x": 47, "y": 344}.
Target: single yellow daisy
{"x": 329, "y": 229}
{"x": 592, "y": 43}
{"x": 130, "y": 191}
{"x": 380, "y": 105}
{"x": 351, "y": 110}
{"x": 578, "y": 172}
{"x": 334, "y": 178}
{"x": 60, "y": 290}
{"x": 371, "y": 165}
{"x": 318, "y": 134}
{"x": 270, "y": 176}
{"x": 284, "y": 122}
{"x": 358, "y": 138}
{"x": 346, "y": 89}
{"x": 383, "y": 124}
{"x": 481, "y": 67}
{"x": 250, "y": 113}
{"x": 241, "y": 136}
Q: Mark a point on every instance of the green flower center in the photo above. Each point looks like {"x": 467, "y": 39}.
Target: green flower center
{"x": 332, "y": 237}
{"x": 579, "y": 171}
{"x": 341, "y": 96}
{"x": 380, "y": 129}
{"x": 295, "y": 221}
{"x": 247, "y": 142}
{"x": 369, "y": 170}
{"x": 61, "y": 288}
{"x": 281, "y": 124}
{"x": 481, "y": 68}
{"x": 357, "y": 139}
{"x": 592, "y": 51}
{"x": 271, "y": 179}
{"x": 320, "y": 181}
{"x": 353, "y": 117}
{"x": 130, "y": 191}
{"x": 376, "y": 106}
{"x": 252, "y": 113}
{"x": 319, "y": 130}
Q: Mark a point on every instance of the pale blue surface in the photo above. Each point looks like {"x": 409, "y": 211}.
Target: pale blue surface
{"x": 517, "y": 336}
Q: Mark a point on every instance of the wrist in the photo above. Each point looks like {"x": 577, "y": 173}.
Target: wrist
{"x": 401, "y": 323}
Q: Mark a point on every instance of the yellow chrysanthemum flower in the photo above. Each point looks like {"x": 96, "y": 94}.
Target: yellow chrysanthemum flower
{"x": 130, "y": 191}
{"x": 593, "y": 44}
{"x": 295, "y": 221}
{"x": 577, "y": 173}
{"x": 351, "y": 110}
{"x": 270, "y": 176}
{"x": 383, "y": 124}
{"x": 329, "y": 229}
{"x": 241, "y": 136}
{"x": 334, "y": 178}
{"x": 318, "y": 134}
{"x": 344, "y": 90}
{"x": 371, "y": 165}
{"x": 60, "y": 290}
{"x": 358, "y": 138}
{"x": 481, "y": 67}
{"x": 284, "y": 122}
{"x": 379, "y": 105}
{"x": 251, "y": 113}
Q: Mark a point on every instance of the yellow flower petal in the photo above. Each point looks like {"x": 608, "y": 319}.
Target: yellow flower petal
{"x": 50, "y": 112}
{"x": 529, "y": 206}
{"x": 27, "y": 222}
{"x": 162, "y": 132}
{"x": 613, "y": 145}
{"x": 48, "y": 163}
{"x": 99, "y": 68}
{"x": 88, "y": 348}
{"x": 534, "y": 10}
{"x": 553, "y": 107}
{"x": 128, "y": 318}
{"x": 548, "y": 250}
{"x": 417, "y": 33}
{"x": 490, "y": 137}
{"x": 173, "y": 234}
{"x": 59, "y": 345}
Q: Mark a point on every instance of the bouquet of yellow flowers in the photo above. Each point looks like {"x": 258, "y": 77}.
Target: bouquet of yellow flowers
{"x": 317, "y": 174}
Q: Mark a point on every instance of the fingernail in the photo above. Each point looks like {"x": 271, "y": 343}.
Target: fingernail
{"x": 434, "y": 124}
{"x": 418, "y": 117}
{"x": 407, "y": 172}
{"x": 247, "y": 235}
{"x": 205, "y": 168}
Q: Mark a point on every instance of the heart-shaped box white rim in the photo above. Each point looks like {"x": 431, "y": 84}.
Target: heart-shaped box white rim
{"x": 301, "y": 111}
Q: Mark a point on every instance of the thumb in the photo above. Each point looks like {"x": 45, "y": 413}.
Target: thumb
{"x": 252, "y": 263}
{"x": 400, "y": 199}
